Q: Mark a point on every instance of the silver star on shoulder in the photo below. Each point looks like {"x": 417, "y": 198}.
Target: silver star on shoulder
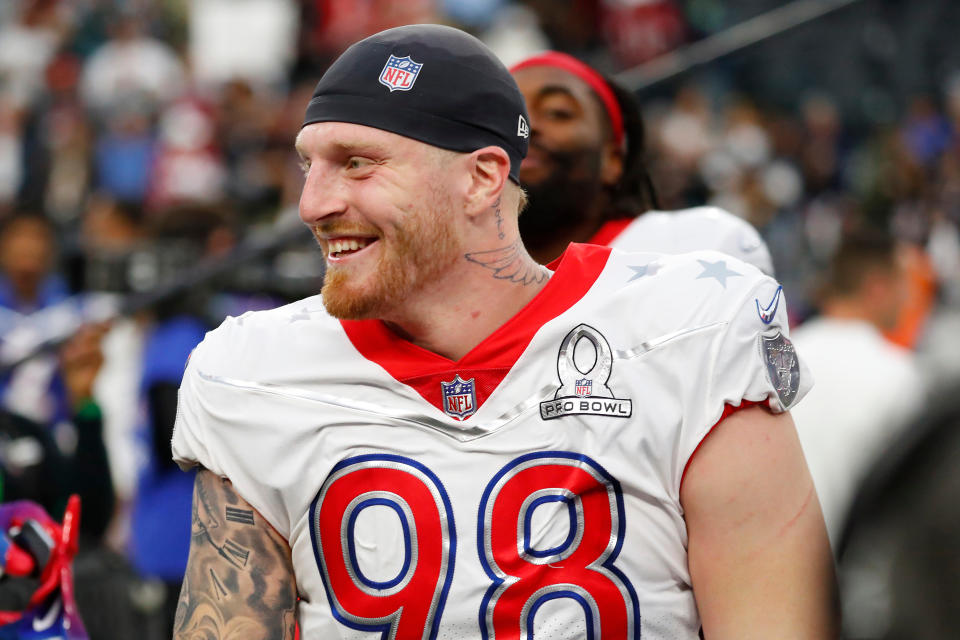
{"x": 717, "y": 270}
{"x": 640, "y": 271}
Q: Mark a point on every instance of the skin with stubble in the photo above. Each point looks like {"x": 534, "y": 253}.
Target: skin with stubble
{"x": 423, "y": 246}
{"x": 412, "y": 234}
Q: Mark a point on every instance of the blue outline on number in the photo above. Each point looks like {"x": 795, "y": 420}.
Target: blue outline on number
{"x": 352, "y": 543}
{"x": 573, "y": 595}
{"x": 442, "y": 600}
{"x": 528, "y": 521}
{"x": 607, "y": 564}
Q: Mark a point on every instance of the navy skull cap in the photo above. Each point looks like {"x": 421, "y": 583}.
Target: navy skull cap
{"x": 432, "y": 83}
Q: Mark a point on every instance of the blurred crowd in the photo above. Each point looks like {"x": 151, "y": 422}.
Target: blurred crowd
{"x": 141, "y": 138}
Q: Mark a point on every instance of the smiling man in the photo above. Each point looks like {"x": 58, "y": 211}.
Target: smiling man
{"x": 453, "y": 441}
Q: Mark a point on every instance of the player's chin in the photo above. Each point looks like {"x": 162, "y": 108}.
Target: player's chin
{"x": 346, "y": 304}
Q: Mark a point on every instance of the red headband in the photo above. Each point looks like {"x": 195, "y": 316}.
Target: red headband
{"x": 592, "y": 78}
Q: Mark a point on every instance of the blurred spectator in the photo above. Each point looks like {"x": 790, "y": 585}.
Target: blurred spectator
{"x": 926, "y": 133}
{"x": 36, "y": 467}
{"x": 27, "y": 260}
{"x": 640, "y": 30}
{"x": 67, "y": 141}
{"x": 332, "y": 25}
{"x": 187, "y": 166}
{"x": 34, "y": 306}
{"x": 866, "y": 387}
{"x": 216, "y": 28}
{"x": 131, "y": 66}
{"x": 126, "y": 151}
{"x": 27, "y": 44}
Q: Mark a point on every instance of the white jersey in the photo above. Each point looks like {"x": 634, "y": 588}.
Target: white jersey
{"x": 696, "y": 229}
{"x": 531, "y": 489}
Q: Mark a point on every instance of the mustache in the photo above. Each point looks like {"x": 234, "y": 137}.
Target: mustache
{"x": 336, "y": 228}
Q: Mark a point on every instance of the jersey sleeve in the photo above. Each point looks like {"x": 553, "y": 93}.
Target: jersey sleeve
{"x": 189, "y": 444}
{"x": 752, "y": 362}
{"x": 216, "y": 427}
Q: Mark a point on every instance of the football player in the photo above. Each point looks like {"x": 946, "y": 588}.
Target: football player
{"x": 454, "y": 441}
{"x": 586, "y": 176}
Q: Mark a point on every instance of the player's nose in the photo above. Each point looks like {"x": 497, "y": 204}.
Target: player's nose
{"x": 322, "y": 196}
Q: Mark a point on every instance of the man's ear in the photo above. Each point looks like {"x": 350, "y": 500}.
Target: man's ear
{"x": 489, "y": 170}
{"x": 611, "y": 169}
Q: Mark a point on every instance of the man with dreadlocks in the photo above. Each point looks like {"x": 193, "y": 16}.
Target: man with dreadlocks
{"x": 586, "y": 178}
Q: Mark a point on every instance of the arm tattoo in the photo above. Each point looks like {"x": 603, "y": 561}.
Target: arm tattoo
{"x": 508, "y": 263}
{"x": 496, "y": 206}
{"x": 239, "y": 582}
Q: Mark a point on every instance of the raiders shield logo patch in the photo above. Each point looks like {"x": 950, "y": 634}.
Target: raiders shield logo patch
{"x": 783, "y": 368}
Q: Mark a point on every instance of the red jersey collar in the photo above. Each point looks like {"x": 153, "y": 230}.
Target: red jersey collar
{"x": 574, "y": 273}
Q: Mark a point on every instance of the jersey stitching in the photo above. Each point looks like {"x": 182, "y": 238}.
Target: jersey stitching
{"x": 650, "y": 345}
{"x": 457, "y": 430}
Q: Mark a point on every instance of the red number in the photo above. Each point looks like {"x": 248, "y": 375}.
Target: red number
{"x": 580, "y": 568}
{"x": 411, "y": 603}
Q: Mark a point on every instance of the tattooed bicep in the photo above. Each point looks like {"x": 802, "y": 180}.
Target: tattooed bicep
{"x": 239, "y": 581}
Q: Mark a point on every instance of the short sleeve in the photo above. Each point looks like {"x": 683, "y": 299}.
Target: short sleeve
{"x": 189, "y": 444}
{"x": 755, "y": 360}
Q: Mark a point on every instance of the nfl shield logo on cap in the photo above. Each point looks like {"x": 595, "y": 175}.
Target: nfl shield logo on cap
{"x": 459, "y": 397}
{"x": 399, "y": 74}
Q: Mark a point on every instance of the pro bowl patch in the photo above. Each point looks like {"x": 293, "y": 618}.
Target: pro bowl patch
{"x": 783, "y": 368}
{"x": 585, "y": 392}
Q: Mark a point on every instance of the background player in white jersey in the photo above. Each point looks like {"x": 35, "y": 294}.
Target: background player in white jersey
{"x": 457, "y": 442}
{"x": 587, "y": 179}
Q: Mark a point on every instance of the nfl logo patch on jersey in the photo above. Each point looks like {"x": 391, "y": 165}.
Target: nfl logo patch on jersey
{"x": 399, "y": 74}
{"x": 459, "y": 398}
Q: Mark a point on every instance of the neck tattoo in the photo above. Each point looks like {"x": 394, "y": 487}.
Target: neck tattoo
{"x": 507, "y": 263}
{"x": 496, "y": 207}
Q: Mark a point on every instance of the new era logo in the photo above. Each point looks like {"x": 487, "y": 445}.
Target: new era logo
{"x": 523, "y": 130}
